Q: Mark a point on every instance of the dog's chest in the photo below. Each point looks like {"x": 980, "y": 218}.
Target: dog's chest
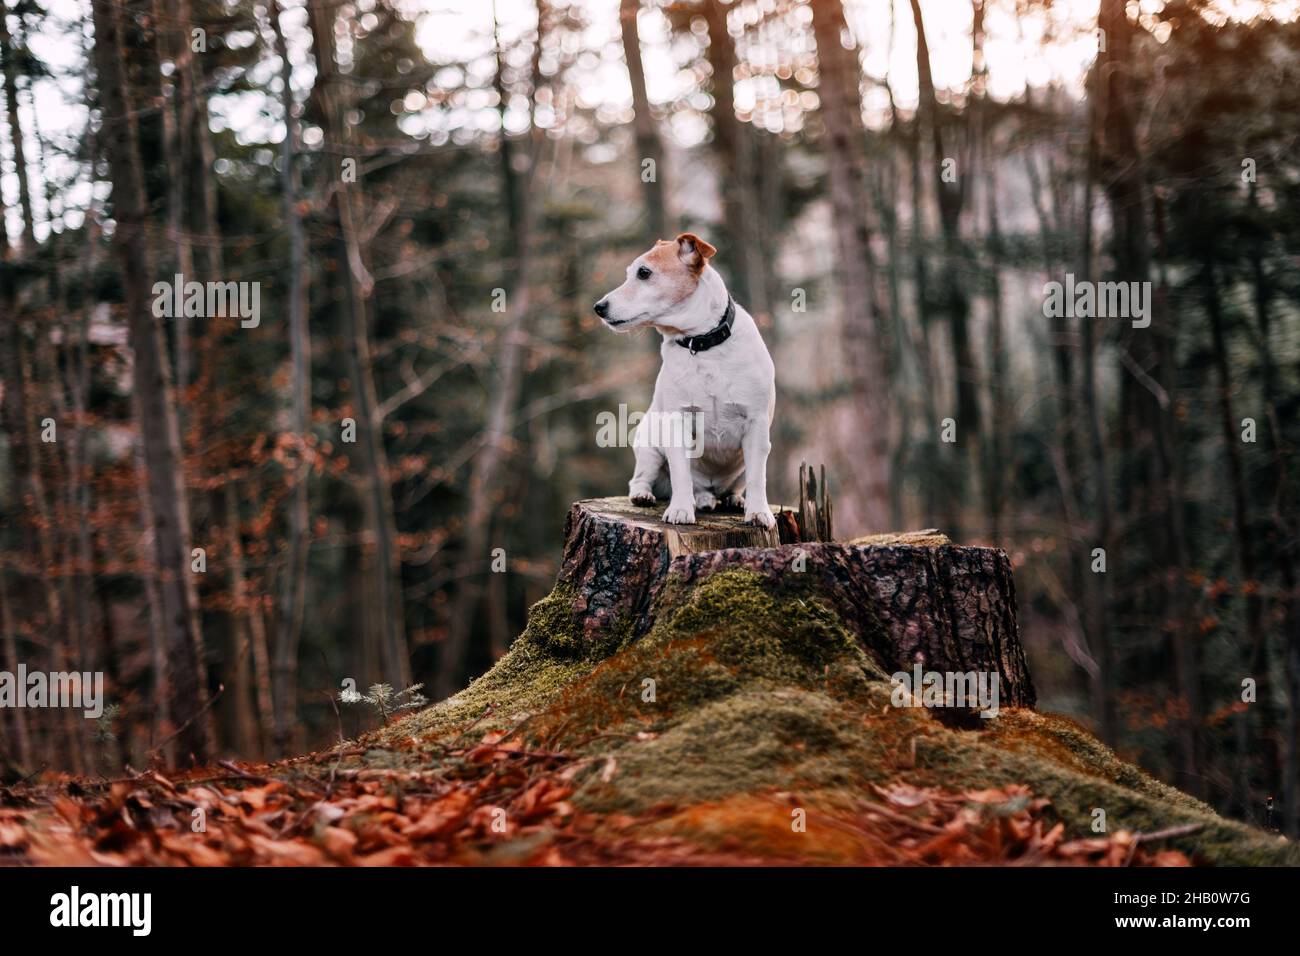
{"x": 715, "y": 396}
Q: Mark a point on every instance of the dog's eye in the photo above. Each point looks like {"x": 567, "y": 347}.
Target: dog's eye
{"x": 643, "y": 273}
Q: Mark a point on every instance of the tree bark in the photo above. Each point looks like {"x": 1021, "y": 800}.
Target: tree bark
{"x": 951, "y": 199}
{"x": 238, "y": 706}
{"x": 377, "y": 502}
{"x": 9, "y": 63}
{"x": 1103, "y": 681}
{"x": 288, "y": 635}
{"x": 735, "y": 146}
{"x": 79, "y": 380}
{"x": 155, "y": 400}
{"x": 864, "y": 343}
{"x": 909, "y": 598}
{"x": 485, "y": 474}
{"x": 1240, "y": 513}
{"x": 1147, "y": 420}
{"x": 933, "y": 479}
{"x": 615, "y": 552}
{"x": 173, "y": 44}
{"x": 648, "y": 143}
{"x": 22, "y": 736}
{"x": 1284, "y": 538}
{"x": 34, "y": 510}
{"x": 199, "y": 156}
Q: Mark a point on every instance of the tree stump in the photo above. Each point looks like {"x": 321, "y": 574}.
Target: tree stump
{"x": 616, "y": 553}
{"x": 909, "y": 598}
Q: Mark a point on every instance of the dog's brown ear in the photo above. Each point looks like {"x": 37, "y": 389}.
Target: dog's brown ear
{"x": 694, "y": 251}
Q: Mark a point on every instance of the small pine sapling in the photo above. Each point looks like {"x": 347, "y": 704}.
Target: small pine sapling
{"x": 385, "y": 700}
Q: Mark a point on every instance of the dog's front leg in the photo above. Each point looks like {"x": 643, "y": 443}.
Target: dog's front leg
{"x": 681, "y": 507}
{"x": 649, "y": 464}
{"x": 756, "y": 446}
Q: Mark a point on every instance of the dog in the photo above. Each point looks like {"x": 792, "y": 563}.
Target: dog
{"x": 716, "y": 370}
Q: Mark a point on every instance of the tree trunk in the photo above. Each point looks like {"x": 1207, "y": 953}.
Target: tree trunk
{"x": 113, "y": 675}
{"x": 735, "y": 146}
{"x": 932, "y": 479}
{"x": 22, "y": 736}
{"x": 648, "y": 144}
{"x": 1237, "y": 486}
{"x": 1099, "y": 637}
{"x": 864, "y": 344}
{"x": 288, "y": 635}
{"x": 155, "y": 401}
{"x": 160, "y": 713}
{"x": 484, "y": 475}
{"x": 80, "y": 482}
{"x": 910, "y": 599}
{"x": 30, "y": 491}
{"x": 380, "y": 545}
{"x": 173, "y": 44}
{"x": 1284, "y": 538}
{"x": 9, "y": 62}
{"x": 34, "y": 512}
{"x": 1147, "y": 420}
{"x": 199, "y": 156}
{"x": 1185, "y": 638}
{"x": 951, "y": 197}
{"x": 247, "y": 632}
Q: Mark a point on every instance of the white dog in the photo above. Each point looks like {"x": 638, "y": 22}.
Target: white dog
{"x": 716, "y": 372}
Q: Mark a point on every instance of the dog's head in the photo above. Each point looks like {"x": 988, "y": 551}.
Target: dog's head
{"x": 657, "y": 282}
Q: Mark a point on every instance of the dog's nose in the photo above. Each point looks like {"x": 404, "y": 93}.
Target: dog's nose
{"x": 601, "y": 308}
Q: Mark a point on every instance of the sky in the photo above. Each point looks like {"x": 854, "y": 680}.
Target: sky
{"x": 461, "y": 29}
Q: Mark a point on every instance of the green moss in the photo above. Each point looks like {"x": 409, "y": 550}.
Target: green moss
{"x": 781, "y": 632}
{"x": 1087, "y": 777}
{"x": 709, "y": 641}
{"x": 539, "y": 665}
{"x": 761, "y": 738}
{"x": 552, "y": 626}
{"x": 551, "y": 655}
{"x": 555, "y": 629}
{"x": 759, "y": 688}
{"x": 1063, "y": 741}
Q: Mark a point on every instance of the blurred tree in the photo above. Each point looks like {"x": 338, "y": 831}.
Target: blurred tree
{"x": 649, "y": 147}
{"x": 865, "y": 345}
{"x": 155, "y": 401}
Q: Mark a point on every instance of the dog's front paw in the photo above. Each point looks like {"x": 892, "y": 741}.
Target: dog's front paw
{"x": 705, "y": 501}
{"x": 763, "y": 518}
{"x": 642, "y": 496}
{"x": 680, "y": 514}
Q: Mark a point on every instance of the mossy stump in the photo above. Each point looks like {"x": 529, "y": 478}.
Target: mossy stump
{"x": 697, "y": 676}
{"x": 615, "y": 553}
{"x": 909, "y": 599}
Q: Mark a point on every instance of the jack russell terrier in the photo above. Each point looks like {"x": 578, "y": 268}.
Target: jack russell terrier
{"x": 716, "y": 370}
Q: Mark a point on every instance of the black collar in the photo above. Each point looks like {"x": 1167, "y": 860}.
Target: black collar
{"x": 716, "y": 336}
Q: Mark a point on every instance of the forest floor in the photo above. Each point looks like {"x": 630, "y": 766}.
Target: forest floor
{"x": 745, "y": 728}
